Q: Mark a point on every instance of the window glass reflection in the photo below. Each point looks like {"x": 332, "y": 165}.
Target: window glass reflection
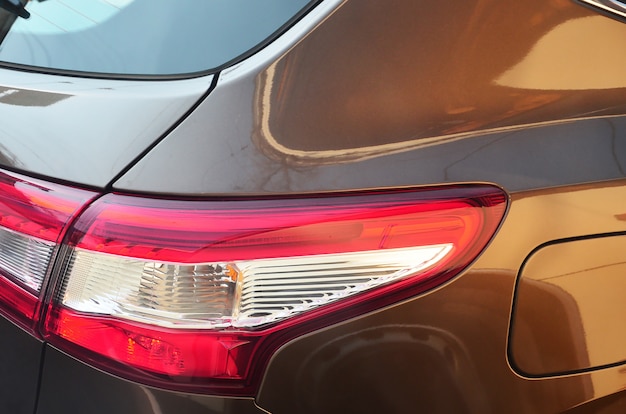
{"x": 143, "y": 37}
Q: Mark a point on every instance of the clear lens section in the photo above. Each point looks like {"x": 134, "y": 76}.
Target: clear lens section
{"x": 241, "y": 294}
{"x": 24, "y": 258}
{"x": 165, "y": 294}
{"x": 276, "y": 289}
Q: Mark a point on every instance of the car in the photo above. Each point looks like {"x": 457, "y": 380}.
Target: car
{"x": 312, "y": 206}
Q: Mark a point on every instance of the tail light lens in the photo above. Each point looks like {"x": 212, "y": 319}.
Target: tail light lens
{"x": 198, "y": 294}
{"x": 33, "y": 219}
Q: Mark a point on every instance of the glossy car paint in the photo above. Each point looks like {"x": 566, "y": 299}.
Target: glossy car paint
{"x": 575, "y": 297}
{"x": 368, "y": 94}
{"x": 436, "y": 93}
{"x": 20, "y": 363}
{"x": 447, "y": 351}
{"x": 86, "y": 130}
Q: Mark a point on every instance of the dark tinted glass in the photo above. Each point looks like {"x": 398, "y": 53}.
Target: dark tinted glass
{"x": 142, "y": 37}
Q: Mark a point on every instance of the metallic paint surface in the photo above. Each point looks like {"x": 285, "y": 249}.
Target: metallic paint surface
{"x": 417, "y": 93}
{"x": 446, "y": 350}
{"x": 20, "y": 361}
{"x": 70, "y": 386}
{"x": 570, "y": 306}
{"x": 516, "y": 93}
{"x": 376, "y": 96}
{"x": 85, "y": 130}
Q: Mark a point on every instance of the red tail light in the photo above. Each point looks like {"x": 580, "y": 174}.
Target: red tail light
{"x": 198, "y": 294}
{"x": 33, "y": 219}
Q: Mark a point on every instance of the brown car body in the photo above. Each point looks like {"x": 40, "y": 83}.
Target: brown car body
{"x": 536, "y": 324}
{"x": 528, "y": 95}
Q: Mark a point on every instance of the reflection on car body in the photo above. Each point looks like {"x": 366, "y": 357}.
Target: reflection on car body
{"x": 312, "y": 206}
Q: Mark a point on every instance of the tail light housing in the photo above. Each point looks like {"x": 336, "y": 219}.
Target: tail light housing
{"x": 33, "y": 219}
{"x": 197, "y": 294}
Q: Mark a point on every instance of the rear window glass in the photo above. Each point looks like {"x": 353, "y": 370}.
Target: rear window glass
{"x": 140, "y": 37}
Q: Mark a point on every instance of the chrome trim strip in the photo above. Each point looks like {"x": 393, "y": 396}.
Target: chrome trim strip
{"x": 613, "y": 6}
